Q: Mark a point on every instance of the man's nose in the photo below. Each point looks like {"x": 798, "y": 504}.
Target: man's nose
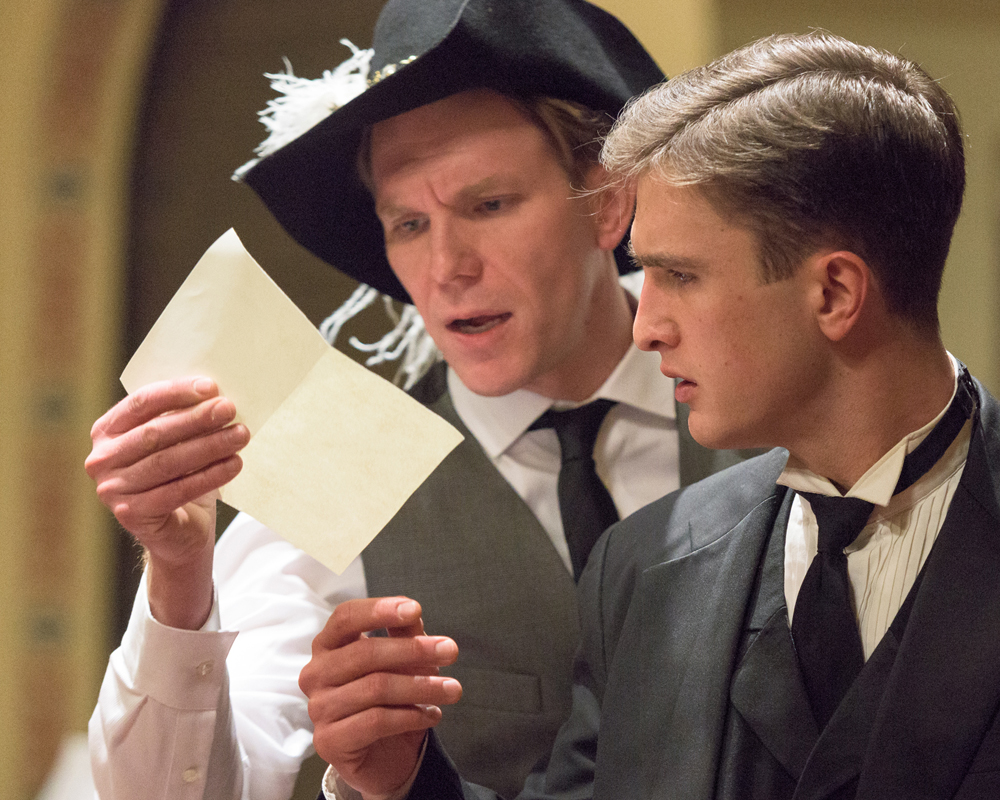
{"x": 454, "y": 255}
{"x": 654, "y": 327}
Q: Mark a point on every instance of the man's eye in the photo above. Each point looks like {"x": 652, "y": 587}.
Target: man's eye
{"x": 495, "y": 204}
{"x": 409, "y": 226}
{"x": 680, "y": 277}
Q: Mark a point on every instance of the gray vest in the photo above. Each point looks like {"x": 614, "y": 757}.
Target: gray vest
{"x": 469, "y": 549}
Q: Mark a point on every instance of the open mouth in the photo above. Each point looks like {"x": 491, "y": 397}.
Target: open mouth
{"x": 479, "y": 324}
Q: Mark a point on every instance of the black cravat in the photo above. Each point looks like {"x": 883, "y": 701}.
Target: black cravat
{"x": 824, "y": 627}
{"x": 585, "y": 504}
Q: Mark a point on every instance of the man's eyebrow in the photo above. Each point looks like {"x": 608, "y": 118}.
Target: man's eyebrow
{"x": 661, "y": 260}
{"x": 466, "y": 193}
{"x": 485, "y": 186}
{"x": 383, "y": 210}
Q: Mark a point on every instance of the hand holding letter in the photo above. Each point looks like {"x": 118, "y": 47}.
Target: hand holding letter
{"x": 158, "y": 459}
{"x": 372, "y": 698}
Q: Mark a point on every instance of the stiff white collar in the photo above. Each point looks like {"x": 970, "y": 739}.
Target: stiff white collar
{"x": 879, "y": 482}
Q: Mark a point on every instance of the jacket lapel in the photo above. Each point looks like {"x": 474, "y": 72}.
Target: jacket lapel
{"x": 782, "y": 720}
{"x": 692, "y": 618}
{"x": 915, "y": 718}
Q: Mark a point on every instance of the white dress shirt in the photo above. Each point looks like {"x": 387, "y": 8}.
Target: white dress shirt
{"x": 635, "y": 452}
{"x": 885, "y": 559}
{"x": 172, "y": 718}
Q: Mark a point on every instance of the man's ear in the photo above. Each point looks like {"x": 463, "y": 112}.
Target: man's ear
{"x": 843, "y": 282}
{"x": 612, "y": 205}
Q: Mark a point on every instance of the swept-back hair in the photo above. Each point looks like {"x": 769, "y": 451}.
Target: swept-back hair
{"x": 812, "y": 141}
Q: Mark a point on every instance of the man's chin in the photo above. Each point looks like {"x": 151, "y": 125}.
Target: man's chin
{"x": 720, "y": 437}
{"x": 488, "y": 382}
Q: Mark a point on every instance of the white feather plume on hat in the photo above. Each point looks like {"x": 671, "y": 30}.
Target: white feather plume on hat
{"x": 408, "y": 339}
{"x": 305, "y": 102}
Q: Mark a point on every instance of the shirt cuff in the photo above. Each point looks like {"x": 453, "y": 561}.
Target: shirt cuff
{"x": 179, "y": 668}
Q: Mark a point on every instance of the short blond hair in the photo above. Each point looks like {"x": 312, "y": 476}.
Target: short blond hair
{"x": 812, "y": 140}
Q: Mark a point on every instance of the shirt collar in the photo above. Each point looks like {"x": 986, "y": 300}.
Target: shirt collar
{"x": 497, "y": 422}
{"x": 879, "y": 482}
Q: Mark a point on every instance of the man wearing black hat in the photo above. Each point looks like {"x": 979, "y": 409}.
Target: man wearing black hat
{"x": 822, "y": 622}
{"x": 469, "y": 165}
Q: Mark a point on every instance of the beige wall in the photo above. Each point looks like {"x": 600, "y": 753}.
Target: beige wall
{"x": 73, "y": 71}
{"x": 680, "y": 34}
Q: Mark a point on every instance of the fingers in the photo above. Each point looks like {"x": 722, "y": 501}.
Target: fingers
{"x": 412, "y": 699}
{"x": 372, "y": 697}
{"x": 158, "y": 417}
{"x": 137, "y": 511}
{"x": 168, "y": 444}
{"x": 400, "y": 615}
{"x": 372, "y": 665}
{"x": 342, "y": 653}
{"x": 153, "y": 400}
{"x": 118, "y": 468}
{"x": 162, "y": 433}
{"x": 421, "y": 655}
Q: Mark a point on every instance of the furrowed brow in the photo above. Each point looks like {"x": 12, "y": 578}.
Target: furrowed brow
{"x": 476, "y": 190}
{"x": 470, "y": 193}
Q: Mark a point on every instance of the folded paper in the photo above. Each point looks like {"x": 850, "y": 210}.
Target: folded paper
{"x": 335, "y": 450}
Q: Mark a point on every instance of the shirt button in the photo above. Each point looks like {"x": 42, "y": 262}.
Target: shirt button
{"x": 205, "y": 668}
{"x": 191, "y": 774}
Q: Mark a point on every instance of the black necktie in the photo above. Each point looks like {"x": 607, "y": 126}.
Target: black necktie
{"x": 824, "y": 627}
{"x": 585, "y": 505}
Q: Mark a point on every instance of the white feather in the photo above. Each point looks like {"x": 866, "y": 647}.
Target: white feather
{"x": 407, "y": 339}
{"x": 304, "y": 102}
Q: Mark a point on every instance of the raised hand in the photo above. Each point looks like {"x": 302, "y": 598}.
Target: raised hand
{"x": 158, "y": 458}
{"x": 372, "y": 698}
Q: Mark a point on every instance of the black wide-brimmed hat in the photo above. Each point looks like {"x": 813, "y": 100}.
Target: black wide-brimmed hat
{"x": 426, "y": 50}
